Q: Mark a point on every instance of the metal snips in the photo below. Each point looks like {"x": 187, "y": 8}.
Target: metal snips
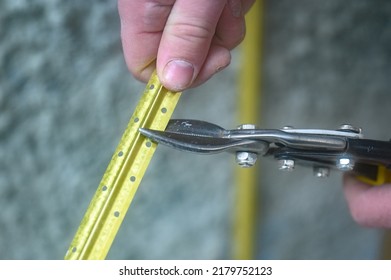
{"x": 344, "y": 148}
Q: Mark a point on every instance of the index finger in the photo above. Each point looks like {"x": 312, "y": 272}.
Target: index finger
{"x": 186, "y": 41}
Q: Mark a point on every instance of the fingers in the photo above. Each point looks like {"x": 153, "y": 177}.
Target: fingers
{"x": 240, "y": 7}
{"x": 142, "y": 24}
{"x": 191, "y": 51}
{"x": 218, "y": 58}
{"x": 186, "y": 41}
{"x": 369, "y": 205}
{"x": 230, "y": 31}
{"x": 246, "y": 5}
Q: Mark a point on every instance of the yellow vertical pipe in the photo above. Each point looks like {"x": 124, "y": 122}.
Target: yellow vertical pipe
{"x": 249, "y": 100}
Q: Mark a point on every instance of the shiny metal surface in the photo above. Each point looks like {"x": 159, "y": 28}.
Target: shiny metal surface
{"x": 245, "y": 158}
{"x": 205, "y": 137}
{"x": 320, "y": 149}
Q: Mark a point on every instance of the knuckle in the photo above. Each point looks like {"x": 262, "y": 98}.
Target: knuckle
{"x": 232, "y": 42}
{"x": 156, "y": 12}
{"x": 140, "y": 74}
{"x": 191, "y": 32}
{"x": 231, "y": 35}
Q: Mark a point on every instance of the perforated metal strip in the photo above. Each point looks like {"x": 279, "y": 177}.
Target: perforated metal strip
{"x": 119, "y": 184}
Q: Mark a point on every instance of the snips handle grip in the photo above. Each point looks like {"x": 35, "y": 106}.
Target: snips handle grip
{"x": 375, "y": 175}
{"x": 375, "y": 160}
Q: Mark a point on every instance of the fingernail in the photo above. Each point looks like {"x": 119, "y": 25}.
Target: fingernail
{"x": 178, "y": 74}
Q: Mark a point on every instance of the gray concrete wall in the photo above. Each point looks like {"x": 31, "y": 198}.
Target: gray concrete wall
{"x": 66, "y": 97}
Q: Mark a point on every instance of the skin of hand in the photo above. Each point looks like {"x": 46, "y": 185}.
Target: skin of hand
{"x": 186, "y": 41}
{"x": 369, "y": 205}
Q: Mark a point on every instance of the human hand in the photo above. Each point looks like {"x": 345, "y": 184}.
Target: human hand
{"x": 186, "y": 41}
{"x": 369, "y": 205}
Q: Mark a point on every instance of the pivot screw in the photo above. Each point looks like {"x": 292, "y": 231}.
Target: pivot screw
{"x": 321, "y": 172}
{"x": 345, "y": 164}
{"x": 286, "y": 164}
{"x": 243, "y": 158}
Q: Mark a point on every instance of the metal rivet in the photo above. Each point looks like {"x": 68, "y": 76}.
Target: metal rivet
{"x": 286, "y": 164}
{"x": 246, "y": 159}
{"x": 345, "y": 164}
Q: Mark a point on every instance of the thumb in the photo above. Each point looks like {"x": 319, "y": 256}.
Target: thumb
{"x": 186, "y": 41}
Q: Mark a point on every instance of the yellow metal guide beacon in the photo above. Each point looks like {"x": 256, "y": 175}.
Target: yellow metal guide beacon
{"x": 123, "y": 175}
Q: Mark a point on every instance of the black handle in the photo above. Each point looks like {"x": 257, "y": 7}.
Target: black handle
{"x": 369, "y": 151}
